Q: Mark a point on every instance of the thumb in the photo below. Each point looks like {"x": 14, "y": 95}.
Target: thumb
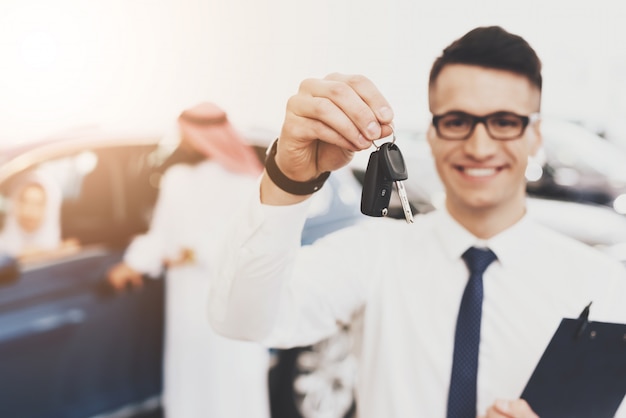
{"x": 518, "y": 408}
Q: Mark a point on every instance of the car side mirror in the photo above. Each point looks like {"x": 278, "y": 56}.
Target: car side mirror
{"x": 9, "y": 269}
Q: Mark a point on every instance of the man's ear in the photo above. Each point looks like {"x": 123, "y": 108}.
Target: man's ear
{"x": 431, "y": 136}
{"x": 536, "y": 138}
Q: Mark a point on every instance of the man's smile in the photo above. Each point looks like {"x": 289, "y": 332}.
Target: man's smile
{"x": 478, "y": 171}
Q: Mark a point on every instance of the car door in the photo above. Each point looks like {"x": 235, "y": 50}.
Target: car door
{"x": 69, "y": 347}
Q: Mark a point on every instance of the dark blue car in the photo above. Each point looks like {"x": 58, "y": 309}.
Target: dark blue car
{"x": 69, "y": 347}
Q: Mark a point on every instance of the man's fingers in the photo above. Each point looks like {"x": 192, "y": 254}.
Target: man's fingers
{"x": 344, "y": 103}
{"x": 518, "y": 408}
{"x": 327, "y": 121}
{"x": 117, "y": 282}
{"x": 121, "y": 276}
{"x": 311, "y": 117}
{"x": 137, "y": 281}
{"x": 369, "y": 93}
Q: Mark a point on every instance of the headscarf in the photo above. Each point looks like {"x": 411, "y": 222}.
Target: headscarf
{"x": 13, "y": 239}
{"x": 206, "y": 129}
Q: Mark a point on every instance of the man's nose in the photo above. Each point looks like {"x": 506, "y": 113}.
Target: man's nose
{"x": 480, "y": 144}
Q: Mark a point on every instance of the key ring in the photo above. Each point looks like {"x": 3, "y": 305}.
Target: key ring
{"x": 393, "y": 139}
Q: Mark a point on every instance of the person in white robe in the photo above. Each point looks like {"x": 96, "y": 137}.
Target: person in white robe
{"x": 205, "y": 375}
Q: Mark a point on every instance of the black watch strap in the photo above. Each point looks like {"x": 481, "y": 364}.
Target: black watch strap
{"x": 300, "y": 188}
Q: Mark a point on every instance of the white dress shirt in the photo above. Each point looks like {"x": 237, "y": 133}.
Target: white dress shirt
{"x": 406, "y": 282}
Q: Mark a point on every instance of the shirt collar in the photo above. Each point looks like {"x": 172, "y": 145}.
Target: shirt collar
{"x": 454, "y": 238}
{"x": 507, "y": 245}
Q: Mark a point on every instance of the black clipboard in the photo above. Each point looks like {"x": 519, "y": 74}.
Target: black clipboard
{"x": 582, "y": 372}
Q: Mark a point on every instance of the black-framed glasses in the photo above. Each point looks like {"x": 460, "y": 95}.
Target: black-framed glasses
{"x": 501, "y": 126}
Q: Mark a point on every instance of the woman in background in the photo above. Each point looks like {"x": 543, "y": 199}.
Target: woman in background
{"x": 32, "y": 225}
{"x": 205, "y": 375}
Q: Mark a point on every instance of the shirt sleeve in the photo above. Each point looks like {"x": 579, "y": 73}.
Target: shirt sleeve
{"x": 611, "y": 296}
{"x": 146, "y": 252}
{"x": 270, "y": 289}
{"x": 250, "y": 267}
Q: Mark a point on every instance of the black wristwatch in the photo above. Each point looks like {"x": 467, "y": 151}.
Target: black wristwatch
{"x": 300, "y": 188}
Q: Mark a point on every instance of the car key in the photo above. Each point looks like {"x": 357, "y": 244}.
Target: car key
{"x": 385, "y": 166}
{"x": 392, "y": 163}
{"x": 376, "y": 188}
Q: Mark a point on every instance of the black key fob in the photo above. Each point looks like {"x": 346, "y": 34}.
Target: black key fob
{"x": 392, "y": 162}
{"x": 376, "y": 188}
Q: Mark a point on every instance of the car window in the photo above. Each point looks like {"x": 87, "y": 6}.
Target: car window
{"x": 107, "y": 193}
{"x": 114, "y": 200}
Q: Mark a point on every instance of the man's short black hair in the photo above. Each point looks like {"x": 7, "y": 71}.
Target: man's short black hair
{"x": 491, "y": 47}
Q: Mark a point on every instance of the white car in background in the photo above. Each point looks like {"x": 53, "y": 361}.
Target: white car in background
{"x": 578, "y": 165}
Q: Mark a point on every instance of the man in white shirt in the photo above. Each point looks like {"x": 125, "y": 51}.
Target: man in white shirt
{"x": 406, "y": 282}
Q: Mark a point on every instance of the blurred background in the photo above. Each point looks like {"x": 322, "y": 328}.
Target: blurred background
{"x": 89, "y": 95}
{"x": 136, "y": 63}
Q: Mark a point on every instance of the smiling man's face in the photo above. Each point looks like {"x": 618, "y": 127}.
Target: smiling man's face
{"x": 482, "y": 175}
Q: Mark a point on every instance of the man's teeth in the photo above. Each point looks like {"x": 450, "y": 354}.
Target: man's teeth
{"x": 479, "y": 172}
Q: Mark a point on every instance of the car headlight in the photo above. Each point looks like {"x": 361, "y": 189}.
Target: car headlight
{"x": 619, "y": 204}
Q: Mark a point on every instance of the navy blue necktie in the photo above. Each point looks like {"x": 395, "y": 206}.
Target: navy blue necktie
{"x": 462, "y": 395}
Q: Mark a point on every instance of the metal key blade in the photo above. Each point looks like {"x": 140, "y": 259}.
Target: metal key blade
{"x": 404, "y": 199}
{"x": 393, "y": 165}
